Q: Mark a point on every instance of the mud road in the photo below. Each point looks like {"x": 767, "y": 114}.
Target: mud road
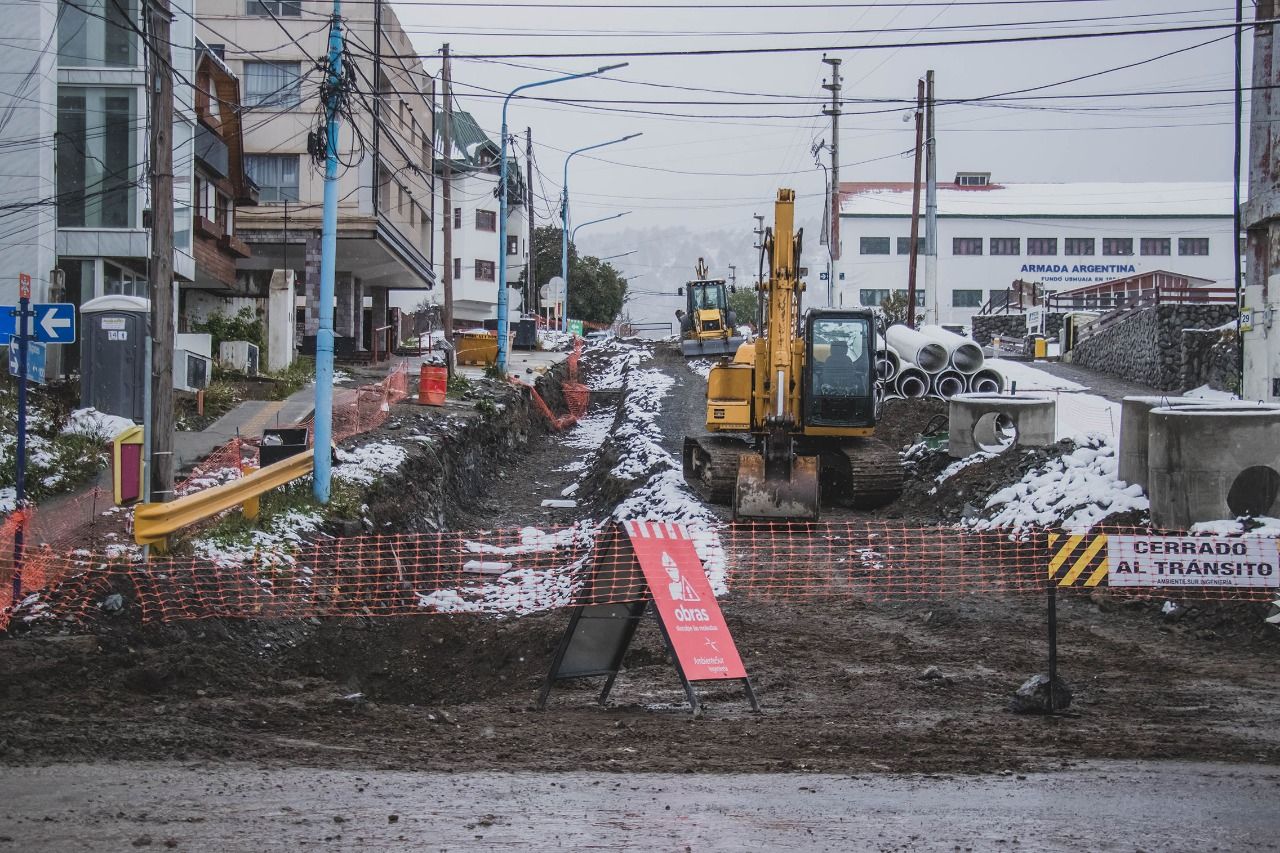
{"x": 1106, "y": 806}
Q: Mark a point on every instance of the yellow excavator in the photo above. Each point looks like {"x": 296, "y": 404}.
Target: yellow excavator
{"x": 803, "y": 394}
{"x": 707, "y": 325}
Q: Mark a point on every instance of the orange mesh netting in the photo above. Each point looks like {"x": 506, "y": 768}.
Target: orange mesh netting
{"x": 577, "y": 397}
{"x": 518, "y": 571}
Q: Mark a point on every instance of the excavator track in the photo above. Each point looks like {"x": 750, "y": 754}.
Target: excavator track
{"x": 873, "y": 478}
{"x": 711, "y": 466}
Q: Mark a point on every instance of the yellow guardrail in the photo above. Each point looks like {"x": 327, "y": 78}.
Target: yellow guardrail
{"x": 153, "y": 523}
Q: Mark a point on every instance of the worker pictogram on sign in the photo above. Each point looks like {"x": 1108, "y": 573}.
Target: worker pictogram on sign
{"x": 1077, "y": 559}
{"x": 669, "y": 582}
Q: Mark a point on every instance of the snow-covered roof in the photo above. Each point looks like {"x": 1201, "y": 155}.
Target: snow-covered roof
{"x": 893, "y": 198}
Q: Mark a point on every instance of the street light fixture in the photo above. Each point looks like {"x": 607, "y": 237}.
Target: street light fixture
{"x": 564, "y": 266}
{"x": 502, "y": 203}
{"x": 564, "y": 223}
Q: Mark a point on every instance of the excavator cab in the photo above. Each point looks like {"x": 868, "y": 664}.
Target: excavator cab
{"x": 839, "y": 371}
{"x": 707, "y": 326}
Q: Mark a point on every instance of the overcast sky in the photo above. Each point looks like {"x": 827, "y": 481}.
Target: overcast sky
{"x": 713, "y": 173}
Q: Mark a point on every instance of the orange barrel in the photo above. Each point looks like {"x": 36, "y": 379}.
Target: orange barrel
{"x": 433, "y": 383}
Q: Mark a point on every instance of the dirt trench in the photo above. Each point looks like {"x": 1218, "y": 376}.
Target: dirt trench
{"x": 843, "y": 682}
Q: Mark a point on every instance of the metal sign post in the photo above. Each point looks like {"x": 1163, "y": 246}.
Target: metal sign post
{"x": 20, "y": 490}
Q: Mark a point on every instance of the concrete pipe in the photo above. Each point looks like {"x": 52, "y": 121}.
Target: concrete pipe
{"x": 948, "y": 384}
{"x": 963, "y": 353}
{"x": 928, "y": 355}
{"x": 988, "y": 380}
{"x": 1134, "y": 432}
{"x": 993, "y": 423}
{"x": 888, "y": 363}
{"x": 912, "y": 382}
{"x": 1211, "y": 462}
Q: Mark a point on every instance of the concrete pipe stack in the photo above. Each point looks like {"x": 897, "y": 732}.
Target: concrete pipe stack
{"x": 933, "y": 362}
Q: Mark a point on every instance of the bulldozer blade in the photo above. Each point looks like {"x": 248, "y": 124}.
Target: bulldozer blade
{"x": 794, "y": 499}
{"x": 709, "y": 349}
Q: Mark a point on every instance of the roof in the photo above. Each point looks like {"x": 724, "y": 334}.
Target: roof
{"x": 893, "y": 198}
{"x": 472, "y": 150}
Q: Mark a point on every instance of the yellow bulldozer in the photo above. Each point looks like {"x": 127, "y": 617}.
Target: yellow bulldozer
{"x": 803, "y": 394}
{"x": 707, "y": 325}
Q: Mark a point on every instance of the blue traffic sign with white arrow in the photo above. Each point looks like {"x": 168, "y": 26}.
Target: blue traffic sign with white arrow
{"x": 51, "y": 323}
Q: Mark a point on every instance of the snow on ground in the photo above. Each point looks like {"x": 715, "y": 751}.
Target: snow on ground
{"x": 94, "y": 424}
{"x": 551, "y": 341}
{"x": 1204, "y": 392}
{"x": 366, "y": 464}
{"x": 272, "y": 545}
{"x": 1078, "y": 415}
{"x": 959, "y": 465}
{"x": 1074, "y": 492}
{"x": 8, "y": 498}
{"x": 1030, "y": 378}
{"x": 612, "y": 360}
{"x": 701, "y": 366}
{"x": 1262, "y": 526}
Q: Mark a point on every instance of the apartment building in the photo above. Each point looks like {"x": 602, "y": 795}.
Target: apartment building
{"x": 73, "y": 151}
{"x": 386, "y": 189}
{"x": 1060, "y": 236}
{"x": 474, "y": 159}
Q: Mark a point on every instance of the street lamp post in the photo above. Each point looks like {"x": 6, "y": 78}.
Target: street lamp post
{"x": 564, "y": 263}
{"x": 564, "y": 223}
{"x": 502, "y": 203}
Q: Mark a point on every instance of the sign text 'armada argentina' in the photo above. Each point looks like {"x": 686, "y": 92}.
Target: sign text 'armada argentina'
{"x": 1122, "y": 269}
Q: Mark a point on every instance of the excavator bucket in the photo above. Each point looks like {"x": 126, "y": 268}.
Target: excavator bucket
{"x": 712, "y": 348}
{"x": 758, "y": 497}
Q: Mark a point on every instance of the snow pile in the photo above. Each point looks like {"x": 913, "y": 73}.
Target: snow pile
{"x": 664, "y": 494}
{"x": 960, "y": 464}
{"x": 94, "y": 424}
{"x": 8, "y": 498}
{"x": 1260, "y": 526}
{"x": 366, "y": 464}
{"x": 701, "y": 366}
{"x": 272, "y": 545}
{"x": 553, "y": 341}
{"x": 1074, "y": 492}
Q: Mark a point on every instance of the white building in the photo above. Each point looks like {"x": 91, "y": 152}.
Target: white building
{"x": 73, "y": 148}
{"x": 1060, "y": 235}
{"x": 474, "y": 161}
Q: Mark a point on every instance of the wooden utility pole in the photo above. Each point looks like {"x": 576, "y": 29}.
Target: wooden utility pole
{"x": 930, "y": 200}
{"x": 446, "y": 181}
{"x": 530, "y": 286}
{"x": 161, "y": 285}
{"x": 915, "y": 210}
{"x": 833, "y": 247}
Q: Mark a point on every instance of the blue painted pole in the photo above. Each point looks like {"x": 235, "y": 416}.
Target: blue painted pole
{"x": 20, "y": 484}
{"x": 564, "y": 223}
{"x": 502, "y": 205}
{"x": 328, "y": 261}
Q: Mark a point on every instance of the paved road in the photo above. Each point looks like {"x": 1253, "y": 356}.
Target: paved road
{"x": 1101, "y": 806}
{"x": 1103, "y": 384}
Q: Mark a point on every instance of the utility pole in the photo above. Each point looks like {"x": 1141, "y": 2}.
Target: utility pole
{"x": 759, "y": 247}
{"x": 446, "y": 183}
{"x": 1260, "y": 215}
{"x": 833, "y": 86}
{"x": 915, "y": 209}
{"x": 333, "y": 94}
{"x": 530, "y": 287}
{"x": 930, "y": 199}
{"x": 160, "y": 453}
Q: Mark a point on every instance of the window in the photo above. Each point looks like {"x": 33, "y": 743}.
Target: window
{"x": 97, "y": 34}
{"x": 967, "y": 298}
{"x": 484, "y": 271}
{"x": 1078, "y": 245}
{"x": 919, "y": 296}
{"x": 1006, "y": 246}
{"x": 1117, "y": 245}
{"x": 1155, "y": 245}
{"x": 973, "y": 179}
{"x": 872, "y": 298}
{"x": 275, "y": 174}
{"x": 122, "y": 281}
{"x": 276, "y": 85}
{"x": 96, "y": 158}
{"x": 457, "y": 217}
{"x": 873, "y": 246}
{"x": 486, "y": 220}
{"x": 1193, "y": 245}
{"x": 966, "y": 246}
{"x": 904, "y": 246}
{"x": 1042, "y": 245}
{"x": 457, "y": 268}
{"x": 513, "y": 244}
{"x": 278, "y": 8}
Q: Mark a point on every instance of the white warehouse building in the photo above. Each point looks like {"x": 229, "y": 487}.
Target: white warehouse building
{"x": 1063, "y": 235}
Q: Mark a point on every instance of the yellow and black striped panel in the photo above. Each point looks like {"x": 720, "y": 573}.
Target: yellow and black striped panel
{"x": 1077, "y": 559}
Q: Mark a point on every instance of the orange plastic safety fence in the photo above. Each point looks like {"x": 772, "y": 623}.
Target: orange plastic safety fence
{"x": 358, "y": 410}
{"x": 577, "y": 397}
{"x": 520, "y": 571}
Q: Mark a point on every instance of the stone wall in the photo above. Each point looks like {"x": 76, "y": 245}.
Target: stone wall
{"x": 1210, "y": 357}
{"x": 1149, "y": 346}
{"x": 987, "y": 326}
